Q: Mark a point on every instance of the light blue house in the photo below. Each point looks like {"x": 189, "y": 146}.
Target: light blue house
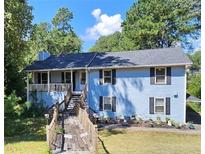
{"x": 145, "y": 83}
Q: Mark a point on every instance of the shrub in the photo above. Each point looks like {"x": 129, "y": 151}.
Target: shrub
{"x": 12, "y": 105}
{"x": 167, "y": 119}
{"x": 190, "y": 125}
{"x": 59, "y": 130}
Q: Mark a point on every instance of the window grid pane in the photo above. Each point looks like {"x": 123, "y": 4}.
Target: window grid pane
{"x": 159, "y": 105}
{"x": 68, "y": 77}
{"x": 160, "y": 75}
{"x": 107, "y": 103}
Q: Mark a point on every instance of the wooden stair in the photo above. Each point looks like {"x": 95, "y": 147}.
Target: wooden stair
{"x": 75, "y": 138}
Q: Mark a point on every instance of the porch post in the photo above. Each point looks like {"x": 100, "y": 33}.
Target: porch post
{"x": 33, "y": 77}
{"x": 27, "y": 87}
{"x": 87, "y": 79}
{"x": 48, "y": 81}
{"x": 71, "y": 72}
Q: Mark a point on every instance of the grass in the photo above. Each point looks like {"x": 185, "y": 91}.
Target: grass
{"x": 28, "y": 136}
{"x": 121, "y": 142}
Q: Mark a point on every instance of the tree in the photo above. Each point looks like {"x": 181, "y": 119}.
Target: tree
{"x": 157, "y": 24}
{"x": 196, "y": 59}
{"x": 162, "y": 23}
{"x": 57, "y": 37}
{"x": 62, "y": 19}
{"x": 18, "y": 23}
{"x": 107, "y": 43}
{"x": 194, "y": 85}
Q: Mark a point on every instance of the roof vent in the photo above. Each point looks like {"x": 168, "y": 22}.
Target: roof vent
{"x": 42, "y": 55}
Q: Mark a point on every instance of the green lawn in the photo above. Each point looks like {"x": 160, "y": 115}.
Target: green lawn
{"x": 121, "y": 142}
{"x": 29, "y": 136}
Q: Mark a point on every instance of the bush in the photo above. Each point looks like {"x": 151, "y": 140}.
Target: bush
{"x": 12, "y": 105}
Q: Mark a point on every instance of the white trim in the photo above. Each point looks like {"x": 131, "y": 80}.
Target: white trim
{"x": 48, "y": 80}
{"x": 185, "y": 82}
{"x": 111, "y": 103}
{"x": 71, "y": 80}
{"x": 42, "y": 77}
{"x": 104, "y": 76}
{"x": 165, "y": 81}
{"x": 113, "y": 67}
{"x": 27, "y": 87}
{"x": 64, "y": 74}
{"x": 82, "y": 71}
{"x": 164, "y": 105}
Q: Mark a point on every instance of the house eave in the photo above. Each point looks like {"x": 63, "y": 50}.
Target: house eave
{"x": 109, "y": 67}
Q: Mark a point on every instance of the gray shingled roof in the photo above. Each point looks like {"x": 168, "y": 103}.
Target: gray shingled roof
{"x": 72, "y": 60}
{"x": 163, "y": 56}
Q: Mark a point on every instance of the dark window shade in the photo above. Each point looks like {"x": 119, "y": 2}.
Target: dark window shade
{"x": 100, "y": 76}
{"x": 169, "y": 72}
{"x": 152, "y": 75}
{"x": 151, "y": 105}
{"x": 39, "y": 78}
{"x": 113, "y": 104}
{"x": 62, "y": 77}
{"x": 113, "y": 76}
{"x": 168, "y": 105}
{"x": 101, "y": 103}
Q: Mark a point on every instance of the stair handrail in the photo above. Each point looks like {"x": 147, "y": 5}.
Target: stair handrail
{"x": 54, "y": 111}
{"x": 51, "y": 128}
{"x": 88, "y": 126}
{"x": 83, "y": 96}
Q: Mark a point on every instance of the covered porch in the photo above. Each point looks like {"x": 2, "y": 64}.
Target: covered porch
{"x": 57, "y": 81}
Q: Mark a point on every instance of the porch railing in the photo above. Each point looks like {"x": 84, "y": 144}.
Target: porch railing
{"x": 51, "y": 86}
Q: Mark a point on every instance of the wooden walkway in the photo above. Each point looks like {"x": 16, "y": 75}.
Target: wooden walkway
{"x": 78, "y": 133}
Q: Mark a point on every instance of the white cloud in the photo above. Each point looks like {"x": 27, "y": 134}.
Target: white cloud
{"x": 105, "y": 25}
{"x": 96, "y": 13}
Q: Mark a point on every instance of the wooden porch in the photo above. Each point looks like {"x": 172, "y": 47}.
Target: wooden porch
{"x": 50, "y": 87}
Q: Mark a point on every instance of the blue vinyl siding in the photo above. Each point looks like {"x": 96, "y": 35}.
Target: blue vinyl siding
{"x": 133, "y": 89}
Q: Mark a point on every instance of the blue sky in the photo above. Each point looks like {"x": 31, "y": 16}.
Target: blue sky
{"x": 92, "y": 18}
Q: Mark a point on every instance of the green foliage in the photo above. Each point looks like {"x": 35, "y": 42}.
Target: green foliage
{"x": 162, "y": 23}
{"x": 17, "y": 26}
{"x": 196, "y": 59}
{"x": 194, "y": 85}
{"x": 57, "y": 37}
{"x": 194, "y": 106}
{"x": 12, "y": 106}
{"x": 59, "y": 130}
{"x": 62, "y": 19}
{"x": 155, "y": 24}
{"x": 107, "y": 43}
{"x": 25, "y": 126}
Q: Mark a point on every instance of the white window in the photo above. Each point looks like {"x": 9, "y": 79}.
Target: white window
{"x": 159, "y": 105}
{"x": 67, "y": 76}
{"x": 107, "y": 103}
{"x": 107, "y": 76}
{"x": 82, "y": 77}
{"x": 160, "y": 75}
{"x": 44, "y": 78}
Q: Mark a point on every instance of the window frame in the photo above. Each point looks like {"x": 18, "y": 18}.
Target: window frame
{"x": 164, "y": 102}
{"x": 65, "y": 76}
{"x": 107, "y": 76}
{"x": 41, "y": 74}
{"x": 81, "y": 77}
{"x": 165, "y": 75}
{"x": 107, "y": 103}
